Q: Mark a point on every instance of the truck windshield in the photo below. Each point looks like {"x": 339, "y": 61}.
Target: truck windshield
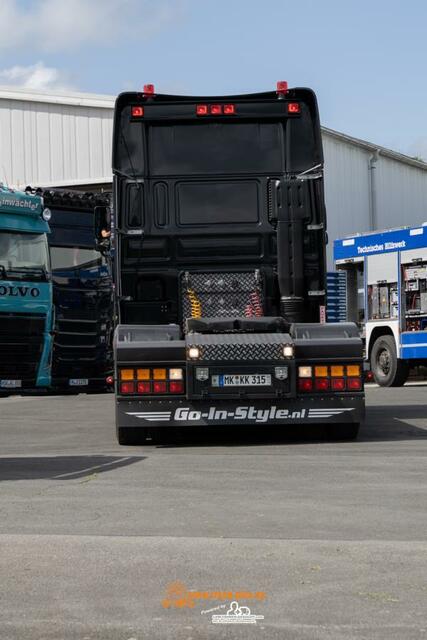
{"x": 74, "y": 258}
{"x": 23, "y": 256}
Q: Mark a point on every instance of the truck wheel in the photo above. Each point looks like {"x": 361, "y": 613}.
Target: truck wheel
{"x": 388, "y": 369}
{"x": 344, "y": 431}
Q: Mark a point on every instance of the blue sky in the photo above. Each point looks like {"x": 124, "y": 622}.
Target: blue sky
{"x": 365, "y": 59}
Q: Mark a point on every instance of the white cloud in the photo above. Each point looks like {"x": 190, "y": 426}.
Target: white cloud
{"x": 36, "y": 76}
{"x": 58, "y": 25}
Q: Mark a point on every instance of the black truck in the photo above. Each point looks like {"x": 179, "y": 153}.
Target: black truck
{"x": 82, "y": 292}
{"x": 219, "y": 255}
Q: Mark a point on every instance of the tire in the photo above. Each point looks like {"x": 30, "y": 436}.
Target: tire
{"x": 388, "y": 369}
{"x": 344, "y": 431}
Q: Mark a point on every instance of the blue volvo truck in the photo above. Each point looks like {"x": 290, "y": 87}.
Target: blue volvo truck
{"x": 26, "y": 308}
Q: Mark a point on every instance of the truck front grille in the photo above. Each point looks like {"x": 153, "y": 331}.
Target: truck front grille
{"x": 81, "y": 348}
{"x": 21, "y": 345}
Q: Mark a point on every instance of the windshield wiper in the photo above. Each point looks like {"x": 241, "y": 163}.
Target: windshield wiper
{"x": 34, "y": 271}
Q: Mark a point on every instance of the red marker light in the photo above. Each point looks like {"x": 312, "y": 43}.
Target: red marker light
{"x": 148, "y": 90}
{"x": 159, "y": 386}
{"x": 176, "y": 386}
{"x": 202, "y": 110}
{"x": 355, "y": 384}
{"x": 144, "y": 387}
{"x": 321, "y": 384}
{"x": 305, "y": 384}
{"x": 127, "y": 387}
{"x": 216, "y": 109}
{"x": 294, "y": 107}
{"x": 282, "y": 86}
{"x": 229, "y": 109}
{"x": 137, "y": 112}
{"x": 338, "y": 384}
{"x": 109, "y": 380}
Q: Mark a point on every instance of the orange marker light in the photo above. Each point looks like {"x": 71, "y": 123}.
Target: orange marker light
{"x": 126, "y": 374}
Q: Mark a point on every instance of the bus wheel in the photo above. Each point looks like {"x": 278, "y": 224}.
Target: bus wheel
{"x": 388, "y": 369}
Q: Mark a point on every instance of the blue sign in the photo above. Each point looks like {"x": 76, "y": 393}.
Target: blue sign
{"x": 383, "y": 242}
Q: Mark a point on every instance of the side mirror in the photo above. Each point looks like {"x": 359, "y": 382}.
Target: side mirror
{"x": 102, "y": 227}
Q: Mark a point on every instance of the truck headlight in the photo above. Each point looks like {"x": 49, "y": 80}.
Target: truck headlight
{"x": 46, "y": 214}
{"x": 288, "y": 350}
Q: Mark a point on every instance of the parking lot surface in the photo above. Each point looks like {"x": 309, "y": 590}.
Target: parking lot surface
{"x": 96, "y": 539}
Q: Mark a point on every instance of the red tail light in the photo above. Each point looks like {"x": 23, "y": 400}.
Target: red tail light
{"x": 202, "y": 110}
{"x": 159, "y": 386}
{"x": 338, "y": 384}
{"x": 321, "y": 384}
{"x": 305, "y": 384}
{"x": 216, "y": 109}
{"x": 127, "y": 387}
{"x": 229, "y": 109}
{"x": 148, "y": 90}
{"x": 176, "y": 386}
{"x": 144, "y": 387}
{"x": 294, "y": 107}
{"x": 355, "y": 384}
{"x": 137, "y": 112}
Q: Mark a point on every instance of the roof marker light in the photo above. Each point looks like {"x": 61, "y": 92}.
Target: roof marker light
{"x": 229, "y": 109}
{"x": 202, "y": 109}
{"x": 137, "y": 112}
{"x": 148, "y": 90}
{"x": 294, "y": 107}
{"x": 216, "y": 109}
{"x": 282, "y": 86}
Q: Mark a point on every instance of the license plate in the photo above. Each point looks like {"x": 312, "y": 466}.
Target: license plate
{"x": 78, "y": 382}
{"x": 11, "y": 384}
{"x": 242, "y": 380}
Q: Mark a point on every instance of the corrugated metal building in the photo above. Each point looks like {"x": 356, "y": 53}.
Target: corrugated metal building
{"x": 55, "y": 140}
{"x": 62, "y": 140}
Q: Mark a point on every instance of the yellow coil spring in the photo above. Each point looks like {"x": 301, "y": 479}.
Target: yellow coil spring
{"x": 195, "y": 304}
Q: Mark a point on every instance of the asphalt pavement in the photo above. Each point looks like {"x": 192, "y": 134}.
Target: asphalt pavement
{"x": 322, "y": 540}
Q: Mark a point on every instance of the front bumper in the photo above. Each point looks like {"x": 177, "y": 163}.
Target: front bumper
{"x": 180, "y": 413}
{"x": 93, "y": 383}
